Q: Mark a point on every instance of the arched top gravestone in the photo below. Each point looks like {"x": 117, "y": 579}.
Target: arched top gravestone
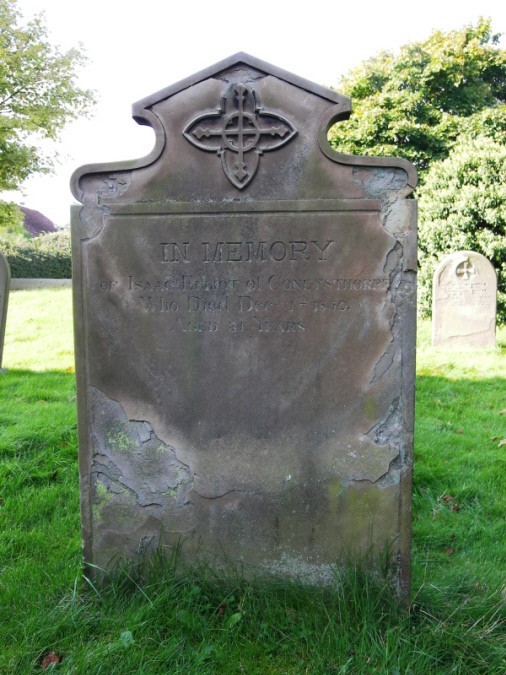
{"x": 464, "y": 302}
{"x": 245, "y": 320}
{"x": 5, "y": 281}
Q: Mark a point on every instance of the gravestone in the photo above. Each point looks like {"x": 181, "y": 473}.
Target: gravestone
{"x": 5, "y": 280}
{"x": 245, "y": 326}
{"x": 464, "y": 302}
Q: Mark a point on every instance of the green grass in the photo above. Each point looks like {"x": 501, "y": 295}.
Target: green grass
{"x": 39, "y": 331}
{"x": 163, "y": 622}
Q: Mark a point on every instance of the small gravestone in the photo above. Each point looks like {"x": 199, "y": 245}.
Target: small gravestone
{"x": 245, "y": 325}
{"x": 464, "y": 302}
{"x": 5, "y": 280}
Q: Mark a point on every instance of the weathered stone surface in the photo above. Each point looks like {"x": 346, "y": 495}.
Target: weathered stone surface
{"x": 245, "y": 323}
{"x": 5, "y": 278}
{"x": 464, "y": 302}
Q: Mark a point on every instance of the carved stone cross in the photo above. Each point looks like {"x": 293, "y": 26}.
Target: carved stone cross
{"x": 239, "y": 133}
{"x": 465, "y": 270}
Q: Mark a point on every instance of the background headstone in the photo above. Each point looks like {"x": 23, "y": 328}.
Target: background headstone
{"x": 245, "y": 334}
{"x": 5, "y": 278}
{"x": 464, "y": 302}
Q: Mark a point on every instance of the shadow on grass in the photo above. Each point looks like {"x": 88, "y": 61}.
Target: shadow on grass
{"x": 165, "y": 623}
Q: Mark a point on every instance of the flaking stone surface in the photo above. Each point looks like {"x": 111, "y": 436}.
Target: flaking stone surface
{"x": 245, "y": 309}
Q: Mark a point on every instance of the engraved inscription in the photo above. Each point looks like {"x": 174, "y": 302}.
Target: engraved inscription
{"x": 247, "y": 251}
{"x": 174, "y": 252}
{"x": 259, "y": 274}
{"x": 239, "y": 133}
{"x": 269, "y": 303}
{"x": 470, "y": 293}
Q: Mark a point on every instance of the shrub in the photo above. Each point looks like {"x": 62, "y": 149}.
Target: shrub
{"x": 45, "y": 257}
{"x": 463, "y": 207}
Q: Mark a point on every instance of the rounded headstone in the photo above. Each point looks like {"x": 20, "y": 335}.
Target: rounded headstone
{"x": 464, "y": 302}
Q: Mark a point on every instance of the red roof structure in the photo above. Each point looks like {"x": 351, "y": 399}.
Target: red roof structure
{"x": 36, "y": 223}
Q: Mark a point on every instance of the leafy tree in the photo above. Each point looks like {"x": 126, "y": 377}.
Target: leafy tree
{"x": 38, "y": 95}
{"x": 416, "y": 103}
{"x": 463, "y": 207}
{"x": 11, "y": 221}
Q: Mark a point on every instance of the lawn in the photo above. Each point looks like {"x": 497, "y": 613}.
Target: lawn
{"x": 193, "y": 624}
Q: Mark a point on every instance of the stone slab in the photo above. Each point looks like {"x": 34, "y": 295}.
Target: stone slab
{"x": 5, "y": 278}
{"x": 245, "y": 330}
{"x": 464, "y": 302}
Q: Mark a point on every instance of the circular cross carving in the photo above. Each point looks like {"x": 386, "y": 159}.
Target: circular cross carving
{"x": 465, "y": 269}
{"x": 240, "y": 132}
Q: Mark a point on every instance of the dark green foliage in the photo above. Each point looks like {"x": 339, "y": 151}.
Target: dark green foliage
{"x": 416, "y": 104}
{"x": 45, "y": 257}
{"x": 463, "y": 207}
{"x": 441, "y": 103}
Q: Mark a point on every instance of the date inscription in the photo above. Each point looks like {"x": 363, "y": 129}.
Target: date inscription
{"x": 271, "y": 304}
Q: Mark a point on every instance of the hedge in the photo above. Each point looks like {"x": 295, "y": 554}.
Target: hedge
{"x": 462, "y": 205}
{"x": 44, "y": 257}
